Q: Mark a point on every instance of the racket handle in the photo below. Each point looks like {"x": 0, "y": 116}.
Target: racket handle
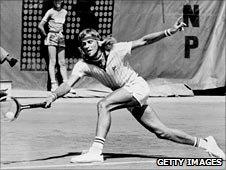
{"x": 35, "y": 105}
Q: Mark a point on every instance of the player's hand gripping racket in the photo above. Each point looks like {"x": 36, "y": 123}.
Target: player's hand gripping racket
{"x": 180, "y": 24}
{"x": 11, "y": 108}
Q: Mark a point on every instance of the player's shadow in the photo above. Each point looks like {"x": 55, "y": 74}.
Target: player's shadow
{"x": 106, "y": 156}
{"x": 129, "y": 155}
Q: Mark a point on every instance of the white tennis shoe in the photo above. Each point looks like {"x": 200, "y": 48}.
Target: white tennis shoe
{"x": 213, "y": 149}
{"x": 88, "y": 157}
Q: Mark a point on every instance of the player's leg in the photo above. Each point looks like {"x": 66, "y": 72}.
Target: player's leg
{"x": 52, "y": 64}
{"x": 62, "y": 63}
{"x": 118, "y": 99}
{"x": 149, "y": 119}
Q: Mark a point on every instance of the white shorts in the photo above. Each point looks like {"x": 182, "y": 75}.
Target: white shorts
{"x": 140, "y": 89}
{"x": 55, "y": 39}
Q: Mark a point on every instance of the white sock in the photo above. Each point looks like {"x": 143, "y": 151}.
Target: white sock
{"x": 97, "y": 146}
{"x": 202, "y": 143}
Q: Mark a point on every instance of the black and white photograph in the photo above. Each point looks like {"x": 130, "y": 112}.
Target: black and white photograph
{"x": 112, "y": 84}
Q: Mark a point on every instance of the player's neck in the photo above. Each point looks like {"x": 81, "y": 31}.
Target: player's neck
{"x": 57, "y": 9}
{"x": 99, "y": 56}
{"x": 100, "y": 60}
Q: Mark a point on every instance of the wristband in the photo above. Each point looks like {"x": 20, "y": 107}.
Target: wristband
{"x": 54, "y": 95}
{"x": 168, "y": 33}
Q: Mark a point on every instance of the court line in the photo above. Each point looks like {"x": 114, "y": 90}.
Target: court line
{"x": 81, "y": 164}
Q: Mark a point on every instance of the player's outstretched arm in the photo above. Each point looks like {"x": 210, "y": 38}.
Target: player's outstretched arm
{"x": 154, "y": 37}
{"x": 63, "y": 89}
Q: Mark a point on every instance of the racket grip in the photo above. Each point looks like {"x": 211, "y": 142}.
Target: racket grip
{"x": 36, "y": 105}
{"x": 42, "y": 104}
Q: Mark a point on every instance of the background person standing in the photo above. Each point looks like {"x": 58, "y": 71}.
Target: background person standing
{"x": 55, "y": 40}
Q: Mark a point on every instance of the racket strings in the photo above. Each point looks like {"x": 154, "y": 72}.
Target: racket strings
{"x": 7, "y": 106}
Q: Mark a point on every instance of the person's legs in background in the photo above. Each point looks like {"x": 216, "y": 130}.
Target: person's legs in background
{"x": 62, "y": 63}
{"x": 52, "y": 64}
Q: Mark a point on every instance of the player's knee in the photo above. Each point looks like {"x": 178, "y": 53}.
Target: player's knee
{"x": 62, "y": 63}
{"x": 102, "y": 105}
{"x": 52, "y": 62}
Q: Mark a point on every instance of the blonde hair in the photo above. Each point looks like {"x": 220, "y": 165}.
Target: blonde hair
{"x": 106, "y": 45}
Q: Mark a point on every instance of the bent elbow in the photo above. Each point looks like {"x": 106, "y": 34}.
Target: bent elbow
{"x": 40, "y": 26}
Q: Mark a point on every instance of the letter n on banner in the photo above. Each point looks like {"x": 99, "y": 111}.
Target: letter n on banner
{"x": 193, "y": 15}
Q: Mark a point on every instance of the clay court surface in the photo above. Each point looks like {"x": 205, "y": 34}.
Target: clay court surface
{"x": 48, "y": 138}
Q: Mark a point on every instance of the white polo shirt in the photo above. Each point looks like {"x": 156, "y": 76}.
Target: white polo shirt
{"x": 118, "y": 71}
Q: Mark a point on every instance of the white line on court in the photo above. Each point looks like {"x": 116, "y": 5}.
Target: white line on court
{"x": 81, "y": 164}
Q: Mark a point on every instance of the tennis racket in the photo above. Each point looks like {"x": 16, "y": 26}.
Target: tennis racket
{"x": 11, "y": 108}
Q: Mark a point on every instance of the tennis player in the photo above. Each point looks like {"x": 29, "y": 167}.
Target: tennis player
{"x": 105, "y": 61}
